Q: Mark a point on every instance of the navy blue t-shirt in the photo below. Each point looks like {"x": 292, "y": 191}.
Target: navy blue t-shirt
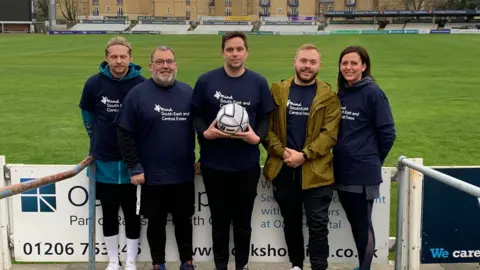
{"x": 366, "y": 134}
{"x": 298, "y": 107}
{"x": 160, "y": 121}
{"x": 102, "y": 96}
{"x": 216, "y": 88}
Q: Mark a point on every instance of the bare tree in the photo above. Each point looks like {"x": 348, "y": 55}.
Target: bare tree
{"x": 69, "y": 10}
{"x": 460, "y": 4}
{"x": 420, "y": 4}
{"x": 41, "y": 9}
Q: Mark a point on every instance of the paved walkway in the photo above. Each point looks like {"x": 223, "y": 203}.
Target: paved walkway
{"x": 253, "y": 266}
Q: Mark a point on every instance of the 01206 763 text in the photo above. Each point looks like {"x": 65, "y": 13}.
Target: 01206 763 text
{"x": 71, "y": 249}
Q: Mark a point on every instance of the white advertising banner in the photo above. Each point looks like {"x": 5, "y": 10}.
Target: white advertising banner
{"x": 51, "y": 224}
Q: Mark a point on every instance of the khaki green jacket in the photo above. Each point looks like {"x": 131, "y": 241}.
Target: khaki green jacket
{"x": 321, "y": 135}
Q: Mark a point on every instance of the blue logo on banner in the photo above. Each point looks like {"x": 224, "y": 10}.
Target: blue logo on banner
{"x": 450, "y": 220}
{"x": 441, "y": 31}
{"x": 39, "y": 200}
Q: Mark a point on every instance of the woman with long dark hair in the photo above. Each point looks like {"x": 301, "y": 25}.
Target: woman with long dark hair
{"x": 366, "y": 135}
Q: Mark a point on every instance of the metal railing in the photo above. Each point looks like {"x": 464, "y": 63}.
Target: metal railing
{"x": 409, "y": 207}
{"x": 18, "y": 188}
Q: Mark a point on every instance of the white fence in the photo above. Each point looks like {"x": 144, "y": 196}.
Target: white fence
{"x": 51, "y": 223}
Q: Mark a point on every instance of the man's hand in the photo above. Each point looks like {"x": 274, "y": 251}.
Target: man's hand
{"x": 213, "y": 133}
{"x": 248, "y": 136}
{"x": 286, "y": 154}
{"x": 295, "y": 160}
{"x": 138, "y": 179}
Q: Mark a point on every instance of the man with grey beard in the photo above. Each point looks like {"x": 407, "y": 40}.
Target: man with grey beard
{"x": 157, "y": 141}
{"x": 303, "y": 130}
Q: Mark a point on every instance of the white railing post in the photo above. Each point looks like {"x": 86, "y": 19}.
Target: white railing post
{"x": 402, "y": 235}
{"x": 5, "y": 259}
{"x": 415, "y": 216}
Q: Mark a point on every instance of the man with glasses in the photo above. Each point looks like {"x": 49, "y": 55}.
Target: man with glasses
{"x": 157, "y": 142}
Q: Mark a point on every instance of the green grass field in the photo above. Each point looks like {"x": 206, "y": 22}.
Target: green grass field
{"x": 431, "y": 81}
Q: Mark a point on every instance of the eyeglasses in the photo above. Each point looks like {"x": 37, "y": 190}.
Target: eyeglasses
{"x": 160, "y": 62}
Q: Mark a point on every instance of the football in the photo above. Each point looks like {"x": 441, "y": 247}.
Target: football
{"x": 232, "y": 118}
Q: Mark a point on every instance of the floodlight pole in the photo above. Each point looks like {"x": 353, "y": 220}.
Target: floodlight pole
{"x": 52, "y": 10}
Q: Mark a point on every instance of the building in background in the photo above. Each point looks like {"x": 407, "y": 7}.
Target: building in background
{"x": 194, "y": 9}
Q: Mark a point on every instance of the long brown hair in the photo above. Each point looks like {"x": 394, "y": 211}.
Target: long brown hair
{"x": 365, "y": 60}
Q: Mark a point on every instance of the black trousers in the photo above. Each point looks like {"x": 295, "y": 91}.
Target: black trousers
{"x": 112, "y": 197}
{"x": 231, "y": 197}
{"x": 359, "y": 214}
{"x": 291, "y": 200}
{"x": 157, "y": 202}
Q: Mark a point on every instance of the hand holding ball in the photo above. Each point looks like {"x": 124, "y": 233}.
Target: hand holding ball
{"x": 232, "y": 118}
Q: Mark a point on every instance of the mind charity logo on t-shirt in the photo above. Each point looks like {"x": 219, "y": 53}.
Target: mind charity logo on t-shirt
{"x": 224, "y": 99}
{"x": 348, "y": 115}
{"x": 112, "y": 105}
{"x": 296, "y": 108}
{"x": 168, "y": 114}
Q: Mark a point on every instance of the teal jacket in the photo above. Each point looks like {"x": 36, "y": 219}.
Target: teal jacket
{"x": 110, "y": 172}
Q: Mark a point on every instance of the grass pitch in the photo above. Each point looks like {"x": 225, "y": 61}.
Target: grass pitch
{"x": 431, "y": 81}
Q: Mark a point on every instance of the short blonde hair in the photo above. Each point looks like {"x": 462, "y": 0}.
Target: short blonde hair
{"x": 119, "y": 41}
{"x": 307, "y": 47}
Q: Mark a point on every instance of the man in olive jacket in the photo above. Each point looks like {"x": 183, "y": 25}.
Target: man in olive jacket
{"x": 303, "y": 131}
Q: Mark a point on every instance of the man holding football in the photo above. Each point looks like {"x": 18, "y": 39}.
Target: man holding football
{"x": 230, "y": 163}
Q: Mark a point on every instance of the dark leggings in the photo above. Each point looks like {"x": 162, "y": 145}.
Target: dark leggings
{"x": 127, "y": 199}
{"x": 359, "y": 215}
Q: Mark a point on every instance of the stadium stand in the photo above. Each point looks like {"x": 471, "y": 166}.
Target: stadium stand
{"x": 166, "y": 25}
{"x": 416, "y": 25}
{"x": 351, "y": 25}
{"x": 462, "y": 25}
{"x": 289, "y": 24}
{"x": 224, "y": 23}
{"x": 101, "y": 23}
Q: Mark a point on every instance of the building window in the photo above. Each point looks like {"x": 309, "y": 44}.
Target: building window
{"x": 120, "y": 11}
{"x": 228, "y": 3}
{"x": 95, "y": 2}
{"x": 329, "y": 8}
{"x": 228, "y": 11}
{"x": 119, "y": 2}
{"x": 168, "y": 9}
{"x": 188, "y": 14}
{"x": 96, "y": 12}
{"x": 244, "y": 11}
{"x": 187, "y": 2}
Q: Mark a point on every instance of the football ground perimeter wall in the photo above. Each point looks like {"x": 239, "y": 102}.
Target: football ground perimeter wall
{"x": 51, "y": 223}
{"x": 271, "y": 33}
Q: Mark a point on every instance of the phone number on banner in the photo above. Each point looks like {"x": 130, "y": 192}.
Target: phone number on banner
{"x": 46, "y": 248}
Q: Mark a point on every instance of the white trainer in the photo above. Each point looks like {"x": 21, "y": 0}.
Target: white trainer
{"x": 130, "y": 265}
{"x": 114, "y": 266}
{"x": 296, "y": 268}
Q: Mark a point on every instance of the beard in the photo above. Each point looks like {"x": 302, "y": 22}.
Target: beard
{"x": 164, "y": 80}
{"x": 309, "y": 79}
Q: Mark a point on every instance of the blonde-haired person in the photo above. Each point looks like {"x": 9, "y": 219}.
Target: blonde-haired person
{"x": 100, "y": 101}
{"x": 303, "y": 130}
{"x": 365, "y": 137}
